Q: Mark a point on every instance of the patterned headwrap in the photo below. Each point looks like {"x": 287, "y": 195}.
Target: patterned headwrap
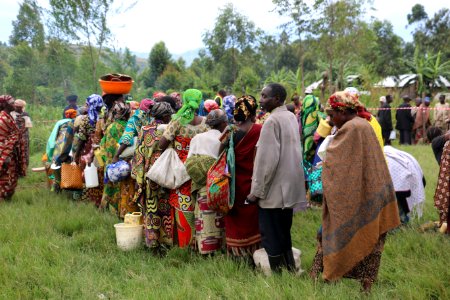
{"x": 211, "y": 105}
{"x": 120, "y": 111}
{"x": 70, "y": 114}
{"x": 345, "y": 100}
{"x": 191, "y": 102}
{"x": 161, "y": 109}
{"x": 20, "y": 103}
{"x": 244, "y": 108}
{"x": 6, "y": 99}
{"x": 95, "y": 104}
{"x": 146, "y": 105}
{"x": 177, "y": 97}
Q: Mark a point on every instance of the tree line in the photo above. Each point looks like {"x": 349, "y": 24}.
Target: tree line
{"x": 64, "y": 49}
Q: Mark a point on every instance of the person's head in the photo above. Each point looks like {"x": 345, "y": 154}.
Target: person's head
{"x": 245, "y": 109}
{"x": 342, "y": 107}
{"x": 222, "y": 93}
{"x": 19, "y": 106}
{"x": 162, "y": 111}
{"x": 382, "y": 100}
{"x": 72, "y": 99}
{"x": 418, "y": 101}
{"x": 352, "y": 90}
{"x": 442, "y": 98}
{"x": 406, "y": 98}
{"x": 109, "y": 99}
{"x": 6, "y": 103}
{"x": 172, "y": 101}
{"x": 134, "y": 105}
{"x": 191, "y": 103}
{"x": 389, "y": 98}
{"x": 177, "y": 98}
{"x": 119, "y": 111}
{"x": 308, "y": 91}
{"x": 433, "y": 132}
{"x": 158, "y": 94}
{"x": 146, "y": 105}
{"x": 211, "y": 105}
{"x": 83, "y": 110}
{"x": 217, "y": 119}
{"x": 427, "y": 101}
{"x": 94, "y": 105}
{"x": 273, "y": 95}
{"x": 296, "y": 100}
{"x": 291, "y": 107}
{"x": 70, "y": 114}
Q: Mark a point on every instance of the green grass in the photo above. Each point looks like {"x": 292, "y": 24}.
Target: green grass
{"x": 52, "y": 247}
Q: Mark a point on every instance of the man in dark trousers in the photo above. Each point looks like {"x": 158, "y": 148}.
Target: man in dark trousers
{"x": 385, "y": 120}
{"x": 278, "y": 182}
{"x": 405, "y": 121}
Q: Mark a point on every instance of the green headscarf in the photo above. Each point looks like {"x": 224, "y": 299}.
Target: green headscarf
{"x": 191, "y": 102}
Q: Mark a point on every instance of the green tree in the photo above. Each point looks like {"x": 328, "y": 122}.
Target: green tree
{"x": 337, "y": 27}
{"x": 385, "y": 54}
{"x": 61, "y": 65}
{"x": 25, "y": 75}
{"x": 232, "y": 34}
{"x": 83, "y": 21}
{"x": 158, "y": 59}
{"x": 28, "y": 26}
{"x": 169, "y": 79}
{"x": 428, "y": 68}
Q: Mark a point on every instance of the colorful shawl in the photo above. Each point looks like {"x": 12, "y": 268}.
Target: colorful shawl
{"x": 241, "y": 222}
{"x": 51, "y": 142}
{"x": 442, "y": 194}
{"x": 10, "y": 139}
{"x": 359, "y": 202}
{"x": 310, "y": 122}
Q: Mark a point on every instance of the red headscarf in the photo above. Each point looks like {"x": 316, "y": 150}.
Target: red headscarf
{"x": 346, "y": 100}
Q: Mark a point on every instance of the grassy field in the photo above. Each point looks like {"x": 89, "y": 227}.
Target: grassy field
{"x": 52, "y": 247}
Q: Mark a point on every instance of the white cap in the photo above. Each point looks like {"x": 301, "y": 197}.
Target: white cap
{"x": 383, "y": 99}
{"x": 308, "y": 90}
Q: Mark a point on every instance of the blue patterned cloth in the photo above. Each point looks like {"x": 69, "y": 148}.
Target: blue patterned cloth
{"x": 228, "y": 104}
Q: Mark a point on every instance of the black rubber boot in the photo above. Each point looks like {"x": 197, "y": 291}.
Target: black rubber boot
{"x": 290, "y": 261}
{"x": 276, "y": 263}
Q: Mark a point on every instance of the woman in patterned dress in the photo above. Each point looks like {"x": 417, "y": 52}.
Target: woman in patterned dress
{"x": 184, "y": 126}
{"x": 12, "y": 161}
{"x": 83, "y": 145}
{"x": 116, "y": 121}
{"x": 153, "y": 199}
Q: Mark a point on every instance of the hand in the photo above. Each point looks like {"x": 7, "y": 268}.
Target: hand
{"x": 252, "y": 199}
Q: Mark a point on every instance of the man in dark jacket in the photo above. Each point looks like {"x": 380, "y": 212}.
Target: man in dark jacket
{"x": 385, "y": 119}
{"x": 405, "y": 121}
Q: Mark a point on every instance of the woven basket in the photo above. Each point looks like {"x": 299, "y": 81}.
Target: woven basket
{"x": 71, "y": 177}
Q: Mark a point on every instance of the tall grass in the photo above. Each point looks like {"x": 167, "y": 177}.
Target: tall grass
{"x": 52, "y": 247}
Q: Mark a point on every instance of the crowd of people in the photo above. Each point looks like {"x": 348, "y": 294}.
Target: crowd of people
{"x": 278, "y": 159}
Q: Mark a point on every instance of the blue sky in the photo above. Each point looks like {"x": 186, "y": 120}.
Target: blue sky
{"x": 180, "y": 23}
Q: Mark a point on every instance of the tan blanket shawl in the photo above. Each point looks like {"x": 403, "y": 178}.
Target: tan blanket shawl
{"x": 359, "y": 199}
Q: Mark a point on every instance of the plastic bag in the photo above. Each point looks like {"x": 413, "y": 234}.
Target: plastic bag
{"x": 168, "y": 171}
